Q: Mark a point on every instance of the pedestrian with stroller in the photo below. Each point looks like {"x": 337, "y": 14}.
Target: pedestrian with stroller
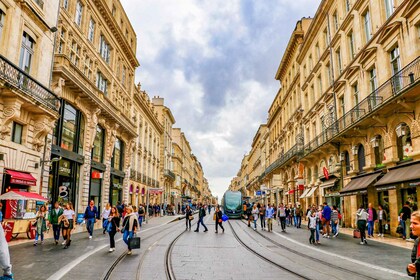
{"x": 129, "y": 227}
{"x": 201, "y": 215}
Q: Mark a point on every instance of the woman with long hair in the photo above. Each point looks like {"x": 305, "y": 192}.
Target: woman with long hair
{"x": 68, "y": 223}
{"x": 130, "y": 226}
{"x": 41, "y": 224}
{"x": 188, "y": 215}
{"x": 105, "y": 215}
{"x": 114, "y": 220}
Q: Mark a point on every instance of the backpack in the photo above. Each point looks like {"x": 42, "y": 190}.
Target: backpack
{"x": 141, "y": 211}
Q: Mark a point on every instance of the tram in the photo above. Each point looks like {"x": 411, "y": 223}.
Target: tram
{"x": 232, "y": 204}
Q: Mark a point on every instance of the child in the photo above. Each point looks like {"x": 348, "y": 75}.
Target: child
{"x": 414, "y": 267}
{"x": 312, "y": 227}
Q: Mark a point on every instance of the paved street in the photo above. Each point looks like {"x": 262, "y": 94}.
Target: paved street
{"x": 206, "y": 255}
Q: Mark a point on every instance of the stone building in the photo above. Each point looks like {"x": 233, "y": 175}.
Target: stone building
{"x": 93, "y": 73}
{"x": 28, "y": 108}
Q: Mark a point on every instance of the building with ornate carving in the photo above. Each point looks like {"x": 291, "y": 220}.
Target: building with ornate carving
{"x": 28, "y": 108}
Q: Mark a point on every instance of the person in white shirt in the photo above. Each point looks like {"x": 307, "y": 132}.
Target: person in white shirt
{"x": 68, "y": 219}
{"x": 255, "y": 213}
{"x": 105, "y": 215}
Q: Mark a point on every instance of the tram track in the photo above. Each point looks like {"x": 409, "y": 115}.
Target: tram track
{"x": 263, "y": 257}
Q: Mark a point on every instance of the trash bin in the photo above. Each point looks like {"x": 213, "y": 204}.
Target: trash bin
{"x": 8, "y": 230}
{"x": 32, "y": 230}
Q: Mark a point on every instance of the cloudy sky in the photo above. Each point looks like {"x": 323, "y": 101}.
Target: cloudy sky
{"x": 214, "y": 62}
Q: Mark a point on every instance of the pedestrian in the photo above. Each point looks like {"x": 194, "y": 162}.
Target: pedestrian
{"x": 413, "y": 269}
{"x": 141, "y": 213}
{"x": 382, "y": 220}
{"x": 91, "y": 216}
{"x": 287, "y": 215}
{"x": 201, "y": 215}
{"x": 334, "y": 221}
{"x": 67, "y": 219}
{"x": 361, "y": 219}
{"x": 326, "y": 218}
{"x": 371, "y": 220}
{"x": 41, "y": 224}
{"x": 114, "y": 221}
{"x": 5, "y": 264}
{"x": 312, "y": 226}
{"x": 405, "y": 214}
{"x": 255, "y": 213}
{"x": 54, "y": 215}
{"x": 209, "y": 208}
{"x": 188, "y": 217}
{"x": 269, "y": 212}
{"x": 298, "y": 215}
{"x": 219, "y": 220}
{"x": 318, "y": 224}
{"x": 105, "y": 215}
{"x": 179, "y": 208}
{"x": 262, "y": 216}
{"x": 120, "y": 208}
{"x": 281, "y": 214}
{"x": 130, "y": 226}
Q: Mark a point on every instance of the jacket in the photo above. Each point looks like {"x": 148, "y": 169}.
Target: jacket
{"x": 188, "y": 213}
{"x": 269, "y": 212}
{"x": 115, "y": 222}
{"x": 202, "y": 213}
{"x": 219, "y": 216}
{"x": 41, "y": 224}
{"x": 326, "y": 213}
{"x": 362, "y": 215}
{"x": 415, "y": 260}
{"x": 91, "y": 214}
{"x": 130, "y": 222}
{"x": 255, "y": 213}
{"x": 54, "y": 216}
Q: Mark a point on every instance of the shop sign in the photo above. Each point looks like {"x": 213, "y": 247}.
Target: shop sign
{"x": 414, "y": 184}
{"x": 291, "y": 191}
{"x": 326, "y": 174}
{"x": 96, "y": 174}
{"x": 22, "y": 182}
{"x": 332, "y": 194}
{"x": 257, "y": 192}
{"x": 386, "y": 188}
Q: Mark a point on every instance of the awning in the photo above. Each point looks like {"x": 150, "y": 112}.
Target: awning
{"x": 311, "y": 192}
{"x": 21, "y": 178}
{"x": 16, "y": 195}
{"x": 400, "y": 174}
{"x": 304, "y": 193}
{"x": 329, "y": 183}
{"x": 360, "y": 183}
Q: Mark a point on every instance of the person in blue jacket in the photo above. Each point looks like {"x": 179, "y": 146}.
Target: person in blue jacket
{"x": 326, "y": 220}
{"x": 91, "y": 216}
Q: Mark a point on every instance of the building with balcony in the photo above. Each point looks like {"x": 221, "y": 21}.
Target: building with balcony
{"x": 93, "y": 74}
{"x": 28, "y": 107}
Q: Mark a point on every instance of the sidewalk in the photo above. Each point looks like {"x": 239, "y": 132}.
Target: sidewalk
{"x": 80, "y": 228}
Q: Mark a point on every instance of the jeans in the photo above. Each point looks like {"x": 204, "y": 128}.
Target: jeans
{"x": 370, "y": 228}
{"x": 298, "y": 221}
{"x": 201, "y": 221}
{"x": 381, "y": 226}
{"x": 270, "y": 224}
{"x": 361, "y": 225}
{"x": 37, "y": 235}
{"x": 187, "y": 222}
{"x": 262, "y": 220}
{"x": 140, "y": 220}
{"x": 283, "y": 223}
{"x": 295, "y": 221}
{"x": 5, "y": 264}
{"x": 112, "y": 239}
{"x": 334, "y": 227}
{"x": 317, "y": 231}
{"x": 127, "y": 235}
{"x": 89, "y": 225}
{"x": 312, "y": 237}
{"x": 219, "y": 224}
{"x": 56, "y": 230}
{"x": 255, "y": 223}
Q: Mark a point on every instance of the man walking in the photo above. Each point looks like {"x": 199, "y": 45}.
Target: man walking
{"x": 201, "y": 215}
{"x": 326, "y": 218}
{"x": 55, "y": 213}
{"x": 281, "y": 214}
{"x": 405, "y": 214}
{"x": 91, "y": 216}
{"x": 141, "y": 213}
{"x": 298, "y": 215}
{"x": 371, "y": 219}
{"x": 269, "y": 212}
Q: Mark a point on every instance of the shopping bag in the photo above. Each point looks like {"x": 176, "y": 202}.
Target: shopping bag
{"x": 214, "y": 217}
{"x": 356, "y": 233}
{"x": 109, "y": 227}
{"x": 105, "y": 223}
{"x": 134, "y": 243}
{"x": 225, "y": 218}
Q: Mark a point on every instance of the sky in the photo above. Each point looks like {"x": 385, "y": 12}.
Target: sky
{"x": 214, "y": 62}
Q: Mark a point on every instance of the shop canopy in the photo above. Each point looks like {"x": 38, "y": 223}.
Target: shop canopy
{"x": 329, "y": 183}
{"x": 360, "y": 183}
{"x": 21, "y": 178}
{"x": 311, "y": 192}
{"x": 400, "y": 174}
{"x": 16, "y": 195}
{"x": 305, "y": 193}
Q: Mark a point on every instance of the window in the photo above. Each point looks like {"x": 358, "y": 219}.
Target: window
{"x": 114, "y": 11}
{"x": 61, "y": 41}
{"x": 40, "y": 3}
{"x": 17, "y": 133}
{"x": 368, "y": 28}
{"x": 98, "y": 145}
{"x": 373, "y": 81}
{"x": 339, "y": 64}
{"x": 79, "y": 11}
{"x": 326, "y": 38}
{"x": 347, "y": 4}
{"x": 26, "y": 52}
{"x": 91, "y": 34}
{"x": 356, "y": 94}
{"x": 404, "y": 143}
{"x": 318, "y": 52}
{"x": 102, "y": 83}
{"x": 310, "y": 64}
{"x": 378, "y": 146}
{"x": 389, "y": 8}
{"x": 396, "y": 67}
{"x": 2, "y": 17}
{"x": 335, "y": 22}
{"x": 329, "y": 74}
{"x": 123, "y": 76}
{"x": 351, "y": 45}
{"x": 320, "y": 85}
{"x": 347, "y": 161}
{"x": 118, "y": 155}
{"x": 87, "y": 71}
{"x": 361, "y": 157}
{"x": 66, "y": 4}
{"x": 75, "y": 54}
{"x": 342, "y": 106}
{"x": 104, "y": 49}
{"x": 68, "y": 138}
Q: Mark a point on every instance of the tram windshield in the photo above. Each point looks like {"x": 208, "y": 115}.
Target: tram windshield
{"x": 233, "y": 200}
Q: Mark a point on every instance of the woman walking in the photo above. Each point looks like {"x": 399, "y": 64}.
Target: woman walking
{"x": 105, "y": 215}
{"x": 361, "y": 220}
{"x": 334, "y": 221}
{"x": 41, "y": 224}
{"x": 318, "y": 224}
{"x": 130, "y": 226}
{"x": 262, "y": 216}
{"x": 188, "y": 217}
{"x": 114, "y": 221}
{"x": 382, "y": 219}
{"x": 68, "y": 219}
{"x": 413, "y": 269}
{"x": 255, "y": 213}
{"x": 219, "y": 220}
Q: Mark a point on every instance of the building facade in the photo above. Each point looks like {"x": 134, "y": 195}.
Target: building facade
{"x": 28, "y": 108}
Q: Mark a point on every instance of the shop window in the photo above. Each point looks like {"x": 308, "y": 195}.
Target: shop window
{"x": 404, "y": 144}
{"x": 410, "y": 195}
{"x": 26, "y": 52}
{"x": 17, "y": 133}
{"x": 98, "y": 145}
{"x": 383, "y": 199}
{"x": 361, "y": 160}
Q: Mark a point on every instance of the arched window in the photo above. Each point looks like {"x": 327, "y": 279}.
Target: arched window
{"x": 404, "y": 144}
{"x": 361, "y": 157}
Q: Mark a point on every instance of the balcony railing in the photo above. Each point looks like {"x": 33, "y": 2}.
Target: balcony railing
{"x": 388, "y": 91}
{"x": 294, "y": 151}
{"x": 22, "y": 81}
{"x": 132, "y": 174}
{"x": 144, "y": 179}
{"x": 170, "y": 174}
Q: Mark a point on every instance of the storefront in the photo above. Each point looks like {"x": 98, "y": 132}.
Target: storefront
{"x": 95, "y": 190}
{"x": 330, "y": 193}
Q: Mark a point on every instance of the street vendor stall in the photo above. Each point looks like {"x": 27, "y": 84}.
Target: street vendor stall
{"x": 18, "y": 220}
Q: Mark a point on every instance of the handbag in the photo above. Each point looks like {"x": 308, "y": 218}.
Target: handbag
{"x": 356, "y": 233}
{"x": 134, "y": 243}
{"x": 400, "y": 229}
{"x": 225, "y": 218}
{"x": 220, "y": 221}
{"x": 191, "y": 218}
{"x": 214, "y": 217}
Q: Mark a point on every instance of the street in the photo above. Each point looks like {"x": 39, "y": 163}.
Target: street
{"x": 168, "y": 251}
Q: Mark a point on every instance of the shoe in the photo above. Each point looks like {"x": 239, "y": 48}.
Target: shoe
{"x": 56, "y": 242}
{"x": 65, "y": 247}
{"x": 196, "y": 230}
{"x": 365, "y": 242}
{"x": 35, "y": 243}
{"x": 409, "y": 240}
{"x": 64, "y": 242}
{"x": 362, "y": 243}
{"x": 129, "y": 252}
{"x": 7, "y": 277}
{"x": 335, "y": 235}
{"x": 90, "y": 236}
{"x": 206, "y": 230}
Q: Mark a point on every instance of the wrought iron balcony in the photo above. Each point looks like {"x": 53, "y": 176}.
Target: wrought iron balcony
{"x": 384, "y": 94}
{"x": 149, "y": 181}
{"x": 144, "y": 179}
{"x": 168, "y": 173}
{"x": 294, "y": 151}
{"x": 18, "y": 79}
{"x": 133, "y": 174}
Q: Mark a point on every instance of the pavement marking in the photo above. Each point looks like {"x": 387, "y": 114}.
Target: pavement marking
{"x": 345, "y": 258}
{"x": 60, "y": 273}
